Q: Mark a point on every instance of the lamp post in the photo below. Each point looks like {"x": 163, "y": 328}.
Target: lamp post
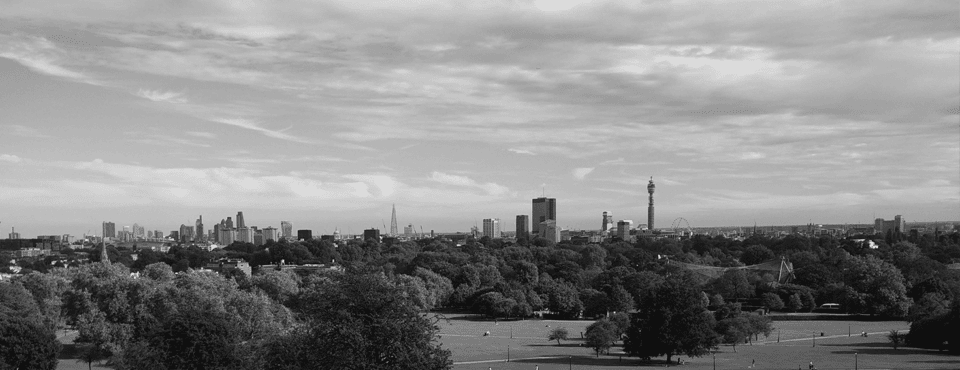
{"x": 856, "y": 361}
{"x": 814, "y": 339}
{"x": 714, "y": 359}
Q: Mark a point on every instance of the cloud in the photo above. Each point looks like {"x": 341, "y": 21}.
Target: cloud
{"x": 202, "y": 134}
{"x": 27, "y": 132}
{"x": 521, "y": 151}
{"x": 581, "y": 173}
{"x": 10, "y": 158}
{"x": 161, "y": 96}
{"x": 463, "y": 181}
{"x": 252, "y": 125}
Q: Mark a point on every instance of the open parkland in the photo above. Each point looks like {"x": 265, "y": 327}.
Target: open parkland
{"x": 793, "y": 344}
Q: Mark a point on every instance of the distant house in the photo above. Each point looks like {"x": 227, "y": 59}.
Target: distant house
{"x": 226, "y": 265}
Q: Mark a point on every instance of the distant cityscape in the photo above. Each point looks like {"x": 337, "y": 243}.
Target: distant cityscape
{"x": 541, "y": 222}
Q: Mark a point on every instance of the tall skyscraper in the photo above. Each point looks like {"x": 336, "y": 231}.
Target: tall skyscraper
{"x": 543, "y": 209}
{"x": 393, "y": 221}
{"x": 286, "y": 228}
{"x": 607, "y": 222}
{"x": 110, "y": 230}
{"x": 216, "y": 233}
{"x": 229, "y": 223}
{"x": 650, "y": 188}
{"x": 14, "y": 234}
{"x": 240, "y": 222}
{"x": 491, "y": 228}
{"x": 523, "y": 230}
{"x": 200, "y": 234}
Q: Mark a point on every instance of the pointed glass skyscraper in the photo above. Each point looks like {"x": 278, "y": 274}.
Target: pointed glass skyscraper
{"x": 393, "y": 222}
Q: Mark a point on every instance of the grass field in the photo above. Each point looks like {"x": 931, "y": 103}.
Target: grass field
{"x": 529, "y": 348}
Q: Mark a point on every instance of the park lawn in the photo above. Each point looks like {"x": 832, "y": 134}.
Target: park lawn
{"x": 529, "y": 348}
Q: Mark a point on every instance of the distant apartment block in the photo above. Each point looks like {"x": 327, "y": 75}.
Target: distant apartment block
{"x": 895, "y": 226}
{"x": 491, "y": 228}
{"x": 548, "y": 230}
{"x": 304, "y": 234}
{"x": 271, "y": 233}
{"x": 623, "y": 229}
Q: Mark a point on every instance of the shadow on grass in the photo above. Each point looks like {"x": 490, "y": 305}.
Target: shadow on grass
{"x": 936, "y": 361}
{"x": 68, "y": 352}
{"x": 871, "y": 345}
{"x": 890, "y": 351}
{"x": 603, "y": 360}
{"x": 572, "y": 343}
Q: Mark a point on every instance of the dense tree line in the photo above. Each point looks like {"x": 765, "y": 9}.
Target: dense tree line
{"x": 170, "y": 313}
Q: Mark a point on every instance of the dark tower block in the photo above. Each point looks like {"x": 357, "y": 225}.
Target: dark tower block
{"x": 650, "y": 188}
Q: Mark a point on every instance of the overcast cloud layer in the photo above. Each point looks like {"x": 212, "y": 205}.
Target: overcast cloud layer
{"x": 326, "y": 113}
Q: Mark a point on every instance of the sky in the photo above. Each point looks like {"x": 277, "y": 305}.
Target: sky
{"x": 327, "y": 113}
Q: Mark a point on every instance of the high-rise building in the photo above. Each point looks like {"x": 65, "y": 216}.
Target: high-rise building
{"x": 175, "y": 235}
{"x": 139, "y": 232}
{"x": 229, "y": 223}
{"x": 240, "y": 222}
{"x": 371, "y": 234}
{"x": 543, "y": 209}
{"x": 896, "y": 226}
{"x": 623, "y": 229}
{"x": 408, "y": 230}
{"x": 650, "y": 188}
{"x": 286, "y": 228}
{"x": 304, "y": 234}
{"x": 393, "y": 221}
{"x": 270, "y": 233}
{"x": 216, "y": 233}
{"x": 200, "y": 234}
{"x": 186, "y": 233}
{"x": 607, "y": 222}
{"x": 110, "y": 230}
{"x": 549, "y": 230}
{"x": 227, "y": 236}
{"x": 523, "y": 230}
{"x": 245, "y": 235}
{"x": 491, "y": 228}
{"x": 14, "y": 234}
{"x": 157, "y": 234}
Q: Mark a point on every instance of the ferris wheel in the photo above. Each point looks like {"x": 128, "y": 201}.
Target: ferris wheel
{"x": 681, "y": 225}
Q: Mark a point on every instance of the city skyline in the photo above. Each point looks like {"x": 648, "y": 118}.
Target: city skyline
{"x": 156, "y": 113}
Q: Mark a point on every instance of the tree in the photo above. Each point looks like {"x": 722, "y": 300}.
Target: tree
{"x": 278, "y": 285}
{"x": 879, "y": 284}
{"x": 733, "y": 330}
{"x": 564, "y": 300}
{"x": 600, "y": 336}
{"x": 26, "y": 343}
{"x": 358, "y": 321}
{"x": 557, "y": 334}
{"x": 794, "y": 303}
{"x": 672, "y": 320}
{"x": 772, "y": 301}
{"x": 733, "y": 284}
{"x": 494, "y": 304}
{"x": 755, "y": 254}
{"x": 895, "y": 338}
